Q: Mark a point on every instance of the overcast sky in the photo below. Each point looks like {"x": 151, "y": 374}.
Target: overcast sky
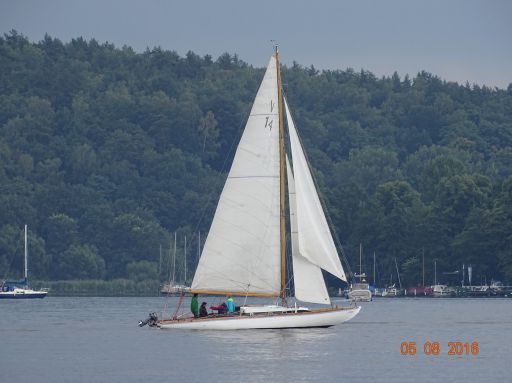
{"x": 458, "y": 40}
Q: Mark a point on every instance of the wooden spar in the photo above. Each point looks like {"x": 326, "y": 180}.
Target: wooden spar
{"x": 235, "y": 293}
{"x": 281, "y": 178}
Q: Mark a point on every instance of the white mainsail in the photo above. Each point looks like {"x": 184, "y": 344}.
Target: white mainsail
{"x": 314, "y": 237}
{"x": 242, "y": 250}
{"x": 308, "y": 279}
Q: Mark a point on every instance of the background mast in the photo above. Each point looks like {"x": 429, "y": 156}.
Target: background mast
{"x": 26, "y": 256}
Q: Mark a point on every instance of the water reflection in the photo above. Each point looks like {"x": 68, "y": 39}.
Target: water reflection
{"x": 267, "y": 337}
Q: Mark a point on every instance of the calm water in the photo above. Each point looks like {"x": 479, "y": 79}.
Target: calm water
{"x": 97, "y": 340}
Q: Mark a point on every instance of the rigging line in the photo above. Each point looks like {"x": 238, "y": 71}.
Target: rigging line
{"x": 324, "y": 206}
{"x": 12, "y": 260}
{"x": 245, "y": 300}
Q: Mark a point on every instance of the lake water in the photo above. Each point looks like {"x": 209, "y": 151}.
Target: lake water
{"x": 97, "y": 340}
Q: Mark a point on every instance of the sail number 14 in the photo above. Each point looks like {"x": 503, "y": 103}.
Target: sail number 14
{"x": 434, "y": 348}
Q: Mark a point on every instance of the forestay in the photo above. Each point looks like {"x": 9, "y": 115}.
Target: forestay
{"x": 308, "y": 279}
{"x": 314, "y": 237}
{"x": 242, "y": 252}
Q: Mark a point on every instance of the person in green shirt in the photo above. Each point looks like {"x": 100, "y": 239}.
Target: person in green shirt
{"x": 194, "y": 306}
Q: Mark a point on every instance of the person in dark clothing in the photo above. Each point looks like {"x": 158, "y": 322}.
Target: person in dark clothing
{"x": 202, "y": 310}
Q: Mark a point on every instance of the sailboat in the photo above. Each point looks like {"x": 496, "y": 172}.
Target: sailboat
{"x": 244, "y": 252}
{"x": 20, "y": 289}
{"x": 173, "y": 288}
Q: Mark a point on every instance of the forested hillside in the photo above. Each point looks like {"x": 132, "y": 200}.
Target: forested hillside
{"x": 105, "y": 153}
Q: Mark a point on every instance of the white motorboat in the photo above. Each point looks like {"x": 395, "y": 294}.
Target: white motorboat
{"x": 360, "y": 292}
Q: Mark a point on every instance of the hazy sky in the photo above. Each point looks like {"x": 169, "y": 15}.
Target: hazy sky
{"x": 457, "y": 40}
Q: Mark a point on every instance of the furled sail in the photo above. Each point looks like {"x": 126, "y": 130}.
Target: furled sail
{"x": 308, "y": 279}
{"x": 315, "y": 239}
{"x": 242, "y": 251}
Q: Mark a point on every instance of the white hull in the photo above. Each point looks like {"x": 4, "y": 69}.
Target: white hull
{"x": 320, "y": 318}
{"x": 360, "y": 295}
{"x": 169, "y": 289}
{"x": 441, "y": 291}
{"x": 20, "y": 293}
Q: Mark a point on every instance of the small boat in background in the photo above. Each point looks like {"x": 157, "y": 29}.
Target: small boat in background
{"x": 20, "y": 289}
{"x": 173, "y": 288}
{"x": 12, "y": 290}
{"x": 393, "y": 291}
{"x": 441, "y": 291}
{"x": 360, "y": 292}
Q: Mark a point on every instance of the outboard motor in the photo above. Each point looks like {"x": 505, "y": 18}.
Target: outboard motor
{"x": 151, "y": 320}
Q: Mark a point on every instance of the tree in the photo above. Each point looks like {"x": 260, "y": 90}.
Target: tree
{"x": 142, "y": 270}
{"x": 112, "y": 149}
{"x": 400, "y": 215}
{"x": 79, "y": 262}
{"x": 61, "y": 232}
{"x": 208, "y": 130}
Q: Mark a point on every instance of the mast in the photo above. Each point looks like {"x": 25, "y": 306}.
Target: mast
{"x": 174, "y": 262}
{"x": 185, "y": 278}
{"x": 374, "y": 283}
{"x": 160, "y": 262}
{"x": 360, "y": 260}
{"x": 423, "y": 265}
{"x": 281, "y": 178}
{"x": 398, "y": 273}
{"x": 435, "y": 272}
{"x": 26, "y": 256}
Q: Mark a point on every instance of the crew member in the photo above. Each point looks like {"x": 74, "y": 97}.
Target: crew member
{"x": 194, "y": 306}
{"x": 203, "y": 312}
{"x": 230, "y": 303}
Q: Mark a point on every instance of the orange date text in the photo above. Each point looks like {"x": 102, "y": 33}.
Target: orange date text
{"x": 435, "y": 349}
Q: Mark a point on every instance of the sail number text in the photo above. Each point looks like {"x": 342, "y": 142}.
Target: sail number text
{"x": 434, "y": 348}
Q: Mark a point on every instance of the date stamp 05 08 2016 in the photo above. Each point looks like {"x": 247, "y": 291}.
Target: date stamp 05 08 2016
{"x": 434, "y": 348}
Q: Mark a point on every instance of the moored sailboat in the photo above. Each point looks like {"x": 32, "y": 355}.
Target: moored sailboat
{"x": 20, "y": 289}
{"x": 244, "y": 253}
{"x": 172, "y": 287}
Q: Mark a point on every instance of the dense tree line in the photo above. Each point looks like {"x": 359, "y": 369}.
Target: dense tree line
{"x": 105, "y": 153}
